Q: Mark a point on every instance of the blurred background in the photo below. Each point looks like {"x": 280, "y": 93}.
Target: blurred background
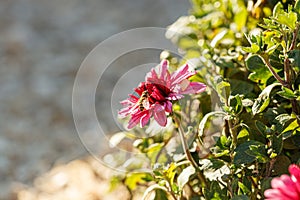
{"x": 42, "y": 46}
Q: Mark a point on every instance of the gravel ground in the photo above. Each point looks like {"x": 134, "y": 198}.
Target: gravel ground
{"x": 42, "y": 46}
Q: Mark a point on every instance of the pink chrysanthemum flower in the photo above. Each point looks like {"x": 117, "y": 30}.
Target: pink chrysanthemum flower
{"x": 155, "y": 95}
{"x": 285, "y": 187}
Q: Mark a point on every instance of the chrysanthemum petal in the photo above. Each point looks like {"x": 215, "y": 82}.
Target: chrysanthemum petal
{"x": 156, "y": 94}
{"x": 295, "y": 171}
{"x": 273, "y": 194}
{"x": 174, "y": 96}
{"x": 124, "y": 112}
{"x": 180, "y": 74}
{"x": 286, "y": 186}
{"x": 295, "y": 175}
{"x": 168, "y": 106}
{"x": 163, "y": 69}
{"x": 145, "y": 118}
{"x": 194, "y": 88}
{"x": 160, "y": 115}
{"x": 133, "y": 122}
{"x": 135, "y": 119}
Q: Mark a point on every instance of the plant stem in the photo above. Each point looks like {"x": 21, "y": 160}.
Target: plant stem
{"x": 233, "y": 133}
{"x": 270, "y": 167}
{"x": 295, "y": 35}
{"x": 188, "y": 153}
{"x": 162, "y": 148}
{"x": 288, "y": 80}
{"x": 172, "y": 194}
{"x": 287, "y": 69}
{"x": 287, "y": 73}
{"x": 265, "y": 58}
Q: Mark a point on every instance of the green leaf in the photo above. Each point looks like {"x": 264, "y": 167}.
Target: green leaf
{"x": 260, "y": 73}
{"x": 281, "y": 165}
{"x": 171, "y": 172}
{"x": 243, "y": 136}
{"x": 272, "y": 48}
{"x": 215, "y": 192}
{"x": 262, "y": 128}
{"x": 253, "y": 49}
{"x": 259, "y": 152}
{"x": 294, "y": 125}
{"x": 277, "y": 144}
{"x": 297, "y": 7}
{"x": 263, "y": 100}
{"x": 278, "y": 9}
{"x": 281, "y": 120}
{"x": 155, "y": 147}
{"x": 248, "y": 152}
{"x": 287, "y": 18}
{"x": 205, "y": 118}
{"x": 160, "y": 195}
{"x": 152, "y": 188}
{"x": 223, "y": 90}
{"x": 240, "y": 197}
{"x": 240, "y": 87}
{"x": 243, "y": 187}
{"x": 134, "y": 178}
{"x": 184, "y": 176}
{"x": 287, "y": 93}
{"x": 236, "y": 104}
{"x": 211, "y": 164}
{"x": 294, "y": 56}
{"x": 214, "y": 169}
{"x": 240, "y": 18}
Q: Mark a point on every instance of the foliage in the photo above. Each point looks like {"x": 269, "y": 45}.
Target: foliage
{"x": 244, "y": 129}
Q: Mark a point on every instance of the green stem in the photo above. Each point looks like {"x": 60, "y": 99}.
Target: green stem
{"x": 270, "y": 167}
{"x": 233, "y": 133}
{"x": 172, "y": 194}
{"x": 188, "y": 153}
{"x": 287, "y": 73}
{"x": 162, "y": 148}
{"x": 288, "y": 80}
{"x": 287, "y": 68}
{"x": 295, "y": 35}
{"x": 265, "y": 58}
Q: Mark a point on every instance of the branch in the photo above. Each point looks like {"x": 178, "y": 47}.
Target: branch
{"x": 295, "y": 35}
{"x": 187, "y": 151}
{"x": 265, "y": 58}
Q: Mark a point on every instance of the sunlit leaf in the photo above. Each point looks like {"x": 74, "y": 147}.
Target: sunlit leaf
{"x": 184, "y": 176}
{"x": 116, "y": 139}
{"x": 218, "y": 37}
{"x": 292, "y": 126}
{"x": 253, "y": 49}
{"x": 263, "y": 100}
{"x": 287, "y": 93}
{"x": 240, "y": 18}
{"x": 151, "y": 189}
{"x": 205, "y": 118}
{"x": 133, "y": 179}
{"x": 260, "y": 72}
{"x": 223, "y": 90}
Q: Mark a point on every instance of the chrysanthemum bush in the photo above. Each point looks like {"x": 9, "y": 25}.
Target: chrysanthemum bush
{"x": 223, "y": 121}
